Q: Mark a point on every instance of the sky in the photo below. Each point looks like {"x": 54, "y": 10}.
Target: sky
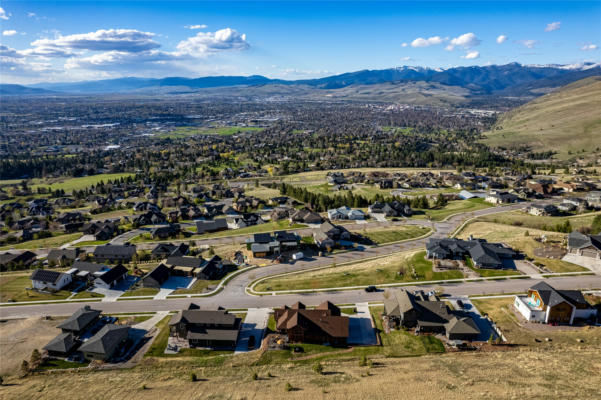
{"x": 64, "y": 41}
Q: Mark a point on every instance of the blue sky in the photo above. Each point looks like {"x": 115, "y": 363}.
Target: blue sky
{"x": 81, "y": 40}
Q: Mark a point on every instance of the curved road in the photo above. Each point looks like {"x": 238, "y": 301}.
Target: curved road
{"x": 234, "y": 295}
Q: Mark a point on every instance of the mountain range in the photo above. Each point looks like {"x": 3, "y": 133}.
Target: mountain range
{"x": 509, "y": 80}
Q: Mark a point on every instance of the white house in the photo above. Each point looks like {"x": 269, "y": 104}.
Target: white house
{"x": 545, "y": 304}
{"x": 345, "y": 213}
{"x": 499, "y": 197}
{"x": 47, "y": 279}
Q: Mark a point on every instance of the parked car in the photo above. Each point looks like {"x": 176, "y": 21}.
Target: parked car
{"x": 371, "y": 289}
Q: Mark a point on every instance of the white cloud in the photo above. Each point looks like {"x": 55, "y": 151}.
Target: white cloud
{"x": 205, "y": 43}
{"x": 529, "y": 43}
{"x": 47, "y": 52}
{"x": 431, "y": 41}
{"x": 471, "y": 55}
{"x": 201, "y": 26}
{"x": 6, "y": 51}
{"x": 406, "y": 58}
{"x": 553, "y": 26}
{"x": 465, "y": 41}
{"x": 31, "y": 14}
{"x": 3, "y": 14}
{"x": 589, "y": 47}
{"x": 9, "y": 32}
{"x": 501, "y": 39}
{"x": 113, "y": 58}
{"x": 404, "y": 44}
{"x": 128, "y": 40}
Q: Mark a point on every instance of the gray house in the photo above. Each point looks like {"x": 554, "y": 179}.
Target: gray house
{"x": 104, "y": 344}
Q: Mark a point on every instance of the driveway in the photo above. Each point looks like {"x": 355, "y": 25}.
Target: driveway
{"x": 115, "y": 292}
{"x": 254, "y": 325}
{"x": 361, "y": 329}
{"x": 586, "y": 262}
{"x": 471, "y": 311}
{"x": 172, "y": 284}
{"x": 527, "y": 268}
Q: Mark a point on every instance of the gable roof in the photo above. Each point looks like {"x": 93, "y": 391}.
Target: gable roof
{"x": 88, "y": 266}
{"x": 106, "y": 340}
{"x": 115, "y": 250}
{"x": 334, "y": 326}
{"x": 69, "y": 254}
{"x": 45, "y": 275}
{"x": 463, "y": 325}
{"x": 113, "y": 274}
{"x": 551, "y": 296}
{"x": 578, "y": 240}
{"x": 160, "y": 273}
{"x": 203, "y": 317}
{"x": 80, "y": 319}
{"x": 185, "y": 261}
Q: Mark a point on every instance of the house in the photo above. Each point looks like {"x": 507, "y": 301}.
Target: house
{"x": 543, "y": 210}
{"x": 324, "y": 324}
{"x": 101, "y": 230}
{"x": 330, "y": 235}
{"x": 217, "y": 225}
{"x": 47, "y": 279}
{"x": 64, "y": 256}
{"x": 62, "y": 345}
{"x": 345, "y": 213}
{"x": 24, "y": 258}
{"x": 483, "y": 254}
{"x": 393, "y": 209}
{"x": 206, "y": 328}
{"x": 155, "y": 278}
{"x": 265, "y": 244}
{"x": 305, "y": 216}
{"x": 163, "y": 250}
{"x": 594, "y": 199}
{"x": 111, "y": 253}
{"x": 184, "y": 266}
{"x": 111, "y": 277}
{"x": 104, "y": 344}
{"x": 584, "y": 245}
{"x": 500, "y": 197}
{"x": 543, "y": 187}
{"x": 427, "y": 314}
{"x": 87, "y": 271}
{"x": 80, "y": 321}
{"x": 546, "y": 304}
{"x": 165, "y": 232}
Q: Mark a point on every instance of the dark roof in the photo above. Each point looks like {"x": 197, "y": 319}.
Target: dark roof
{"x": 106, "y": 340}
{"x": 578, "y": 240}
{"x": 113, "y": 274}
{"x": 45, "y": 275}
{"x": 112, "y": 250}
{"x": 284, "y": 236}
{"x": 203, "y": 317}
{"x": 326, "y": 305}
{"x": 333, "y": 325}
{"x": 262, "y": 238}
{"x": 230, "y": 335}
{"x": 190, "y": 262}
{"x": 80, "y": 319}
{"x": 88, "y": 266}
{"x": 401, "y": 302}
{"x": 160, "y": 273}
{"x": 62, "y": 343}
{"x": 69, "y": 254}
{"x": 204, "y": 225}
{"x": 551, "y": 296}
{"x": 463, "y": 326}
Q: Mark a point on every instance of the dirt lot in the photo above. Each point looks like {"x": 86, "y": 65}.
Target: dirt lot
{"x": 19, "y": 337}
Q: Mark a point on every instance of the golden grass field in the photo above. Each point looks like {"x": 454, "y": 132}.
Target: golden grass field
{"x": 562, "y": 121}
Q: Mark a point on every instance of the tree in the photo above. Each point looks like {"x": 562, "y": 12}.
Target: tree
{"x": 318, "y": 368}
{"x": 24, "y": 368}
{"x": 36, "y": 359}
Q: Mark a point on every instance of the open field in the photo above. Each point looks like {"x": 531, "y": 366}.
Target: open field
{"x": 261, "y": 228}
{"x": 373, "y": 272}
{"x": 186, "y": 131}
{"x": 70, "y": 184}
{"x": 12, "y": 288}
{"x": 304, "y": 177}
{"x": 49, "y": 242}
{"x": 395, "y": 234}
{"x": 516, "y": 237}
{"x": 454, "y": 207}
{"x": 521, "y": 218}
{"x": 501, "y": 311}
{"x": 261, "y": 192}
{"x": 566, "y": 121}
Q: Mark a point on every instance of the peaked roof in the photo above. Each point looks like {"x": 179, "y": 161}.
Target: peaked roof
{"x": 80, "y": 319}
{"x": 579, "y": 241}
{"x": 88, "y": 266}
{"x": 106, "y": 340}
{"x": 185, "y": 261}
{"x": 62, "y": 343}
{"x": 113, "y": 274}
{"x": 160, "y": 273}
{"x": 45, "y": 275}
{"x": 203, "y": 317}
{"x": 115, "y": 250}
{"x": 463, "y": 325}
{"x": 551, "y": 296}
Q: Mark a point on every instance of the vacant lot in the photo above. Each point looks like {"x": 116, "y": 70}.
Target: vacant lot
{"x": 53, "y": 241}
{"x": 186, "y": 131}
{"x": 521, "y": 218}
{"x": 516, "y": 237}
{"x": 70, "y": 184}
{"x": 395, "y": 234}
{"x": 373, "y": 272}
{"x": 453, "y": 207}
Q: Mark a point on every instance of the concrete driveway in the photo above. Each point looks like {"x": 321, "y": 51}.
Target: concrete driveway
{"x": 115, "y": 292}
{"x": 586, "y": 262}
{"x": 361, "y": 329}
{"x": 172, "y": 284}
{"x": 470, "y": 310}
{"x": 254, "y": 324}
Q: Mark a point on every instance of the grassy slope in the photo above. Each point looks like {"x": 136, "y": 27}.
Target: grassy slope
{"x": 13, "y": 288}
{"x": 568, "y": 119}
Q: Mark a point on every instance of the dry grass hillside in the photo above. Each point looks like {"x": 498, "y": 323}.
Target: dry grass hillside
{"x": 549, "y": 373}
{"x": 566, "y": 121}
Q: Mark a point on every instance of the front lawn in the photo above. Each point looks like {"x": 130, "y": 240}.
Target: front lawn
{"x": 12, "y": 288}
{"x": 140, "y": 292}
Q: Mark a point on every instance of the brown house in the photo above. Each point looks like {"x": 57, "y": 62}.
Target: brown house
{"x": 324, "y": 324}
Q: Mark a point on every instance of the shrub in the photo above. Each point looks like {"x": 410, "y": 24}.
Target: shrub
{"x": 318, "y": 368}
{"x": 363, "y": 361}
{"x": 24, "y": 368}
{"x": 193, "y": 377}
{"x": 288, "y": 387}
{"x": 255, "y": 376}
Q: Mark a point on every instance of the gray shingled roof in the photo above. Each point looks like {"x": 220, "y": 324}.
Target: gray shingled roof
{"x": 44, "y": 275}
{"x": 106, "y": 340}
{"x": 62, "y": 343}
{"x": 80, "y": 319}
{"x": 212, "y": 317}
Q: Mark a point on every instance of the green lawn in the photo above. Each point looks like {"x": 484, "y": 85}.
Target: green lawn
{"x": 373, "y": 272}
{"x": 70, "y": 184}
{"x": 91, "y": 243}
{"x": 396, "y": 234}
{"x": 87, "y": 295}
{"x": 490, "y": 272}
{"x": 53, "y": 241}
{"x": 198, "y": 287}
{"x": 454, "y": 207}
{"x": 12, "y": 288}
{"x": 140, "y": 292}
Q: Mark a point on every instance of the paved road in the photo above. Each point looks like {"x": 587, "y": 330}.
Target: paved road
{"x": 234, "y": 295}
